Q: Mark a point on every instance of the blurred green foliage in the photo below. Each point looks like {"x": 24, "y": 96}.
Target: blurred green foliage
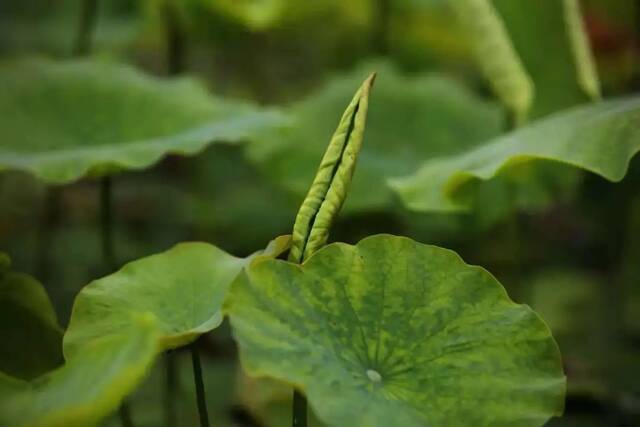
{"x": 565, "y": 242}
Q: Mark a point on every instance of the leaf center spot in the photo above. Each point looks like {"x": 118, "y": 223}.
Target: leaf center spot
{"x": 374, "y": 376}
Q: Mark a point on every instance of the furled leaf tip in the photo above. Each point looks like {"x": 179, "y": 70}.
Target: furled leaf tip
{"x": 329, "y": 188}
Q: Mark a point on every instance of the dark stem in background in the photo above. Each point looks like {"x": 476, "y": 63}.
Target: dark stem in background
{"x": 86, "y": 27}
{"x": 175, "y": 53}
{"x": 50, "y": 217}
{"x": 106, "y": 222}
{"x": 299, "y": 409}
{"x": 197, "y": 377}
{"x": 380, "y": 36}
{"x": 125, "y": 415}
{"x": 171, "y": 385}
{"x": 174, "y": 38}
{"x": 635, "y": 78}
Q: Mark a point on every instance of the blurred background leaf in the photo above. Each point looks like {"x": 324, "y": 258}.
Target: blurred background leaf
{"x": 29, "y": 331}
{"x": 562, "y": 241}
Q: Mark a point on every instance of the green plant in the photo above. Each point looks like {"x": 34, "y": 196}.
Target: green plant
{"x": 601, "y": 138}
{"x": 108, "y": 117}
{"x": 105, "y": 118}
{"x": 382, "y": 331}
{"x": 387, "y": 331}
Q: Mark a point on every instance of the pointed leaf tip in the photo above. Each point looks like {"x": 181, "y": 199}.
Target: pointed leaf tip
{"x": 331, "y": 183}
{"x": 371, "y": 79}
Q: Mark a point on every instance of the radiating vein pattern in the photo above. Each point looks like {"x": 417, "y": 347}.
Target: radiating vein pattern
{"x": 393, "y": 332}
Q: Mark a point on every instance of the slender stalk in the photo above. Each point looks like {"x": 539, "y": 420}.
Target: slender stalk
{"x": 174, "y": 38}
{"x": 106, "y": 222}
{"x": 171, "y": 383}
{"x": 197, "y": 378}
{"x": 175, "y": 65}
{"x": 299, "y": 409}
{"x": 86, "y": 27}
{"x": 48, "y": 221}
{"x": 381, "y": 27}
{"x": 125, "y": 415}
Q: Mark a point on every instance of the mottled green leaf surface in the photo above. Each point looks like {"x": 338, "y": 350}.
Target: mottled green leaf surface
{"x": 61, "y": 121}
{"x": 182, "y": 287}
{"x": 29, "y": 332}
{"x": 393, "y": 332}
{"x": 411, "y": 119}
{"x": 89, "y": 386}
{"x": 600, "y": 138}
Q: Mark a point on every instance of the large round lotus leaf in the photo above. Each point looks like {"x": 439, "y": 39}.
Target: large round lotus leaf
{"x": 183, "y": 288}
{"x": 29, "y": 331}
{"x": 410, "y": 120}
{"x": 393, "y": 332}
{"x": 88, "y": 387}
{"x": 600, "y": 138}
{"x": 61, "y": 121}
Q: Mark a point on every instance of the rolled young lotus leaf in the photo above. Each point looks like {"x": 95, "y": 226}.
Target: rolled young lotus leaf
{"x": 331, "y": 183}
{"x": 414, "y": 118}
